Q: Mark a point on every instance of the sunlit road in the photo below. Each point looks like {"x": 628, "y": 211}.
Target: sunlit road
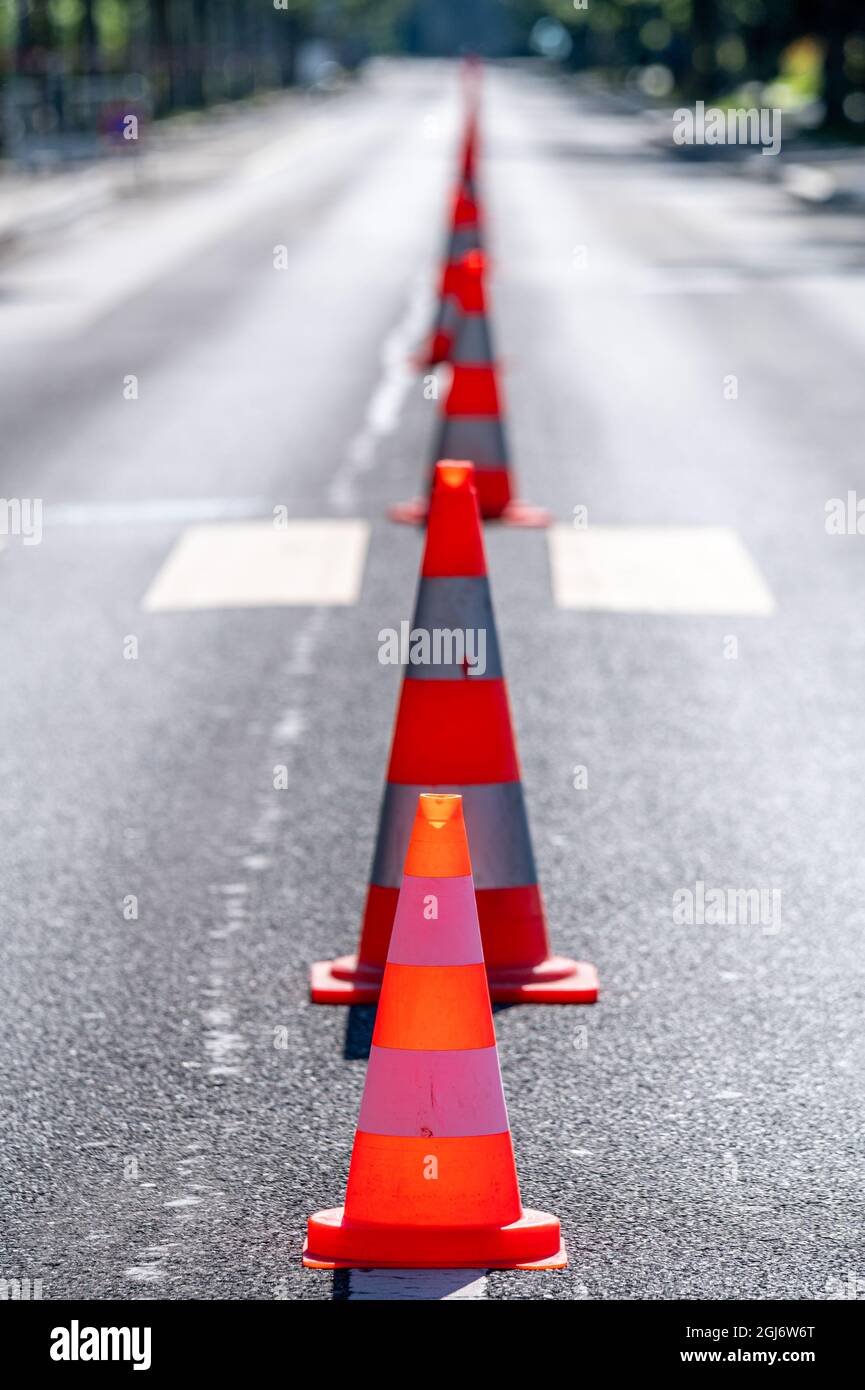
{"x": 172, "y": 1106}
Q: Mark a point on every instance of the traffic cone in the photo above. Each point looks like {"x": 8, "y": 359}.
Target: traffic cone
{"x": 432, "y": 1182}
{"x": 464, "y": 236}
{"x": 472, "y": 96}
{"x": 471, "y": 426}
{"x": 453, "y": 734}
{"x": 469, "y": 150}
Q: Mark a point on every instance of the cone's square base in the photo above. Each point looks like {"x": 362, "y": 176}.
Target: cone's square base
{"x": 340, "y": 982}
{"x": 519, "y": 513}
{"x": 412, "y": 513}
{"x": 556, "y": 981}
{"x": 533, "y": 1242}
{"x": 516, "y": 513}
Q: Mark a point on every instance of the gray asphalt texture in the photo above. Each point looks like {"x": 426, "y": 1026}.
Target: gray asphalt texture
{"x": 173, "y": 1108}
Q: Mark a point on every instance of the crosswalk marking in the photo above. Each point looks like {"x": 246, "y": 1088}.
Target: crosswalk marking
{"x": 257, "y": 564}
{"x": 656, "y": 569}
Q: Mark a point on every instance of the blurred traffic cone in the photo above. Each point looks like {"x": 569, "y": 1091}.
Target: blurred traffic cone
{"x": 432, "y": 1182}
{"x": 453, "y": 733}
{"x": 464, "y": 236}
{"x": 471, "y": 426}
{"x": 465, "y": 228}
{"x": 469, "y": 151}
{"x": 471, "y": 77}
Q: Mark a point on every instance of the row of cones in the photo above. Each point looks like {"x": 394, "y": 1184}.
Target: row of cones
{"x": 454, "y": 916}
{"x": 471, "y": 424}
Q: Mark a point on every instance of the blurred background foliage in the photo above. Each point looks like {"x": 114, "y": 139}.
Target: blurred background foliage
{"x": 798, "y": 54}
{"x": 804, "y": 55}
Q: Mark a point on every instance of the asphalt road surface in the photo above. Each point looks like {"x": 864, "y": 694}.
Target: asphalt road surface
{"x": 173, "y": 1108}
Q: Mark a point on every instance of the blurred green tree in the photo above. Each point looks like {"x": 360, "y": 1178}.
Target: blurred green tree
{"x": 712, "y": 48}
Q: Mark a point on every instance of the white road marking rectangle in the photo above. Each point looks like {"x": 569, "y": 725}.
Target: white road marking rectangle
{"x": 656, "y": 569}
{"x": 416, "y": 1285}
{"x": 258, "y": 564}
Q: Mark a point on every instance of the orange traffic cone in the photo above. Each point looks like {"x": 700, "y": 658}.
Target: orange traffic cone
{"x": 471, "y": 77}
{"x": 464, "y": 236}
{"x": 432, "y": 1182}
{"x": 471, "y": 426}
{"x": 453, "y": 733}
{"x": 468, "y": 163}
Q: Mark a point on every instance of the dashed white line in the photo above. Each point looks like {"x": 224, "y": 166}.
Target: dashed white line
{"x": 413, "y": 1285}
{"x": 290, "y": 727}
{"x": 386, "y": 403}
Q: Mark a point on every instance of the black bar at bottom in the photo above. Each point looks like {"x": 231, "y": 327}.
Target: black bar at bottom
{"x": 164, "y": 1339}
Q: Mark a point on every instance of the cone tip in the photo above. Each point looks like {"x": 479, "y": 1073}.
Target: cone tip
{"x": 454, "y": 473}
{"x": 440, "y": 807}
{"x": 438, "y": 847}
{"x": 474, "y": 262}
{"x": 454, "y": 544}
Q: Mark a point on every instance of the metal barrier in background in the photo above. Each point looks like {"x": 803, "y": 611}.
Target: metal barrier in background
{"x": 53, "y": 118}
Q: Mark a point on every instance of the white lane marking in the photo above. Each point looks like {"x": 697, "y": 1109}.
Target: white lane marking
{"x": 150, "y": 1268}
{"x": 145, "y": 1274}
{"x": 256, "y": 862}
{"x": 167, "y": 509}
{"x": 290, "y": 727}
{"x": 403, "y": 1285}
{"x": 225, "y": 1046}
{"x": 656, "y": 569}
{"x": 387, "y": 400}
{"x": 255, "y": 564}
{"x": 224, "y": 1050}
{"x": 301, "y": 660}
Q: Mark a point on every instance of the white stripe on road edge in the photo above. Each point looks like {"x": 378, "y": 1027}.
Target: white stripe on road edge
{"x": 656, "y": 569}
{"x": 256, "y": 564}
{"x": 166, "y": 509}
{"x": 404, "y": 1285}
